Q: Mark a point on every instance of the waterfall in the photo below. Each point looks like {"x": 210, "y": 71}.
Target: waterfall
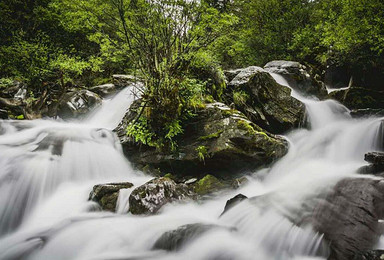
{"x": 48, "y": 168}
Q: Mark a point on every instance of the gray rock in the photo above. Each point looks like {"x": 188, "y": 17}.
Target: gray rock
{"x": 370, "y": 255}
{"x": 219, "y": 140}
{"x": 78, "y": 103}
{"x": 367, "y": 112}
{"x": 375, "y": 158}
{"x": 104, "y": 90}
{"x": 174, "y": 240}
{"x": 349, "y": 217}
{"x": 233, "y": 202}
{"x": 266, "y": 103}
{"x": 359, "y": 98}
{"x": 298, "y": 76}
{"x": 106, "y": 195}
{"x": 122, "y": 81}
{"x": 151, "y": 196}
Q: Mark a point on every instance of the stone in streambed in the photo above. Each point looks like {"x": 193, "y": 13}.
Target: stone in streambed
{"x": 106, "y": 195}
{"x": 150, "y": 197}
{"x": 175, "y": 239}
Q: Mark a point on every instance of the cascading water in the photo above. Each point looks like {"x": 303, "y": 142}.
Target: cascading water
{"x": 48, "y": 168}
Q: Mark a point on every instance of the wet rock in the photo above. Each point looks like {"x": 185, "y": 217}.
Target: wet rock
{"x": 104, "y": 90}
{"x": 266, "y": 103}
{"x": 376, "y": 158}
{"x": 298, "y": 76}
{"x": 233, "y": 202}
{"x": 376, "y": 166}
{"x": 219, "y": 140}
{"x": 349, "y": 217}
{"x": 130, "y": 116}
{"x": 78, "y": 103}
{"x": 359, "y": 98}
{"x": 367, "y": 112}
{"x": 151, "y": 196}
{"x": 208, "y": 184}
{"x": 239, "y": 182}
{"x": 370, "y": 255}
{"x": 122, "y": 81}
{"x": 174, "y": 240}
{"x": 106, "y": 195}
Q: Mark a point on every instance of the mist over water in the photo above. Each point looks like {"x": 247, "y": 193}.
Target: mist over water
{"x": 48, "y": 168}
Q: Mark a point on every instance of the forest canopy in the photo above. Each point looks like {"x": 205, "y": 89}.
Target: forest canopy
{"x": 179, "y": 48}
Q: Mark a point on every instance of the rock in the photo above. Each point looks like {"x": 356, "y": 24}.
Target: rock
{"x": 376, "y": 158}
{"x": 370, "y": 255}
{"x": 337, "y": 77}
{"x": 231, "y": 74}
{"x": 78, "y": 103}
{"x": 298, "y": 76}
{"x": 266, "y": 103}
{"x": 349, "y": 217}
{"x": 104, "y": 90}
{"x": 122, "y": 81}
{"x": 151, "y": 196}
{"x": 233, "y": 202}
{"x": 10, "y": 87}
{"x": 106, "y": 195}
{"x": 359, "y": 98}
{"x": 208, "y": 184}
{"x": 239, "y": 182}
{"x": 367, "y": 112}
{"x": 175, "y": 239}
{"x": 376, "y": 166}
{"x": 130, "y": 116}
{"x": 219, "y": 140}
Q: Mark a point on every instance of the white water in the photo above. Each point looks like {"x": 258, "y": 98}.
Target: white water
{"x": 48, "y": 168}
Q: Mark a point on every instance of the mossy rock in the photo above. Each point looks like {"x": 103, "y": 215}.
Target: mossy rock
{"x": 219, "y": 141}
{"x": 359, "y": 98}
{"x": 267, "y": 103}
{"x": 208, "y": 184}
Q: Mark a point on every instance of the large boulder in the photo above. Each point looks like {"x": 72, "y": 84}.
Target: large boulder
{"x": 219, "y": 141}
{"x": 349, "y": 217}
{"x": 359, "y": 98}
{"x": 106, "y": 195}
{"x": 298, "y": 76}
{"x": 266, "y": 103}
{"x": 151, "y": 196}
{"x": 77, "y": 103}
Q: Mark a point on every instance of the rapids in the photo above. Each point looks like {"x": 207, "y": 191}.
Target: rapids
{"x": 48, "y": 168}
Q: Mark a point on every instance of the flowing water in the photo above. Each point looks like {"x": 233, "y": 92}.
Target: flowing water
{"x": 48, "y": 168}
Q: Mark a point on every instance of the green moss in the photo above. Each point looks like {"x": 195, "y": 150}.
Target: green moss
{"x": 169, "y": 176}
{"x": 228, "y": 113}
{"x": 20, "y": 117}
{"x": 240, "y": 97}
{"x": 211, "y": 136}
{"x": 208, "y": 184}
{"x": 244, "y": 125}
